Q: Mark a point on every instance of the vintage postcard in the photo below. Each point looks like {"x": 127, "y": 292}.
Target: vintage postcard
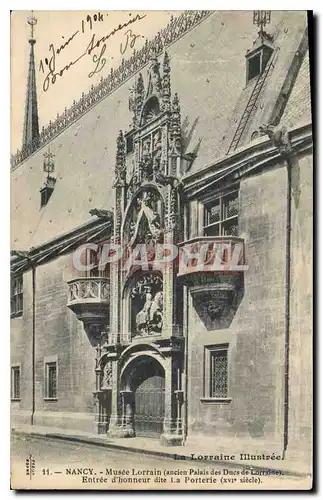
{"x": 161, "y": 246}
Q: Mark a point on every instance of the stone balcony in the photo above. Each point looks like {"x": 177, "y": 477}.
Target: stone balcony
{"x": 212, "y": 268}
{"x": 89, "y": 299}
{"x": 211, "y": 254}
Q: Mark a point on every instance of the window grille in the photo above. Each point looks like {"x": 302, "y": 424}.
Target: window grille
{"x": 51, "y": 380}
{"x": 219, "y": 373}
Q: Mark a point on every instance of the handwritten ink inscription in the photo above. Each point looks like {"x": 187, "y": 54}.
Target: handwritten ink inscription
{"x": 95, "y": 48}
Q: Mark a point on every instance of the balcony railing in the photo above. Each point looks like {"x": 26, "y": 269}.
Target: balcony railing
{"x": 89, "y": 299}
{"x": 210, "y": 254}
{"x": 88, "y": 289}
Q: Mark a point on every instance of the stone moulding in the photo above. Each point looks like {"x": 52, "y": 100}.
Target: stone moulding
{"x": 176, "y": 28}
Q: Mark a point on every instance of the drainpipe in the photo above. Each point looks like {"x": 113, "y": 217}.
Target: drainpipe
{"x": 33, "y": 352}
{"x": 280, "y": 139}
{"x": 185, "y": 423}
{"x": 287, "y": 306}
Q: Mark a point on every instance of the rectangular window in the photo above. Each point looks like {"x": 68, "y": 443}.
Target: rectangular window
{"x": 216, "y": 373}
{"x": 254, "y": 67}
{"x": 15, "y": 383}
{"x": 16, "y": 296}
{"x": 221, "y": 216}
{"x": 219, "y": 373}
{"x": 51, "y": 380}
{"x": 93, "y": 258}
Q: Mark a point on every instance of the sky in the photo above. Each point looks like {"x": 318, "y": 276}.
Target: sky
{"x": 75, "y": 30}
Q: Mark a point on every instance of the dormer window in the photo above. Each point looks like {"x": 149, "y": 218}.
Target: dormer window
{"x": 46, "y": 191}
{"x": 48, "y": 167}
{"x": 254, "y": 67}
{"x": 258, "y": 57}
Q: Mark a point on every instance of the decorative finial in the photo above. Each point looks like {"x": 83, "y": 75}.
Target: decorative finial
{"x": 261, "y": 18}
{"x": 32, "y": 21}
{"x": 49, "y": 164}
{"x": 120, "y": 167}
{"x": 166, "y": 89}
{"x": 176, "y": 125}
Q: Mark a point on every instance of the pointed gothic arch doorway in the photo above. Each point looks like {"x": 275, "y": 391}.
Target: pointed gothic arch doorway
{"x": 145, "y": 378}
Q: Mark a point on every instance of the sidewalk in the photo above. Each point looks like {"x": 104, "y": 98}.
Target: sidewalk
{"x": 150, "y": 446}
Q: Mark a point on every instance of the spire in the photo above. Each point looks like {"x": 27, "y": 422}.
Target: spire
{"x": 139, "y": 98}
{"x": 31, "y": 128}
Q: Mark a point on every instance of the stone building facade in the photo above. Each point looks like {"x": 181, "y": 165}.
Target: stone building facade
{"x": 213, "y": 156}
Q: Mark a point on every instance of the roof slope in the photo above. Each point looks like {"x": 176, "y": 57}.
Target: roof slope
{"x": 207, "y": 71}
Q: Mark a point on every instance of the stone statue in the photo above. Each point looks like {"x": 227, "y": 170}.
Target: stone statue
{"x": 150, "y": 319}
{"x": 107, "y": 376}
{"x": 143, "y": 317}
{"x": 279, "y": 136}
{"x": 146, "y": 148}
{"x": 153, "y": 218}
{"x": 156, "y": 311}
{"x": 168, "y": 180}
{"x": 101, "y": 214}
{"x": 157, "y": 141}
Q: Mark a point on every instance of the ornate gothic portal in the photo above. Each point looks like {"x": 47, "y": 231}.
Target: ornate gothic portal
{"x": 140, "y": 363}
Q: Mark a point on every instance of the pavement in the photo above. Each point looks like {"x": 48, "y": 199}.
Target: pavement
{"x": 296, "y": 466}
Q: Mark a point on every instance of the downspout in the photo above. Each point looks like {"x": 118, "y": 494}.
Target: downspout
{"x": 33, "y": 349}
{"x": 287, "y": 307}
{"x": 186, "y": 219}
{"x": 280, "y": 139}
{"x": 185, "y": 423}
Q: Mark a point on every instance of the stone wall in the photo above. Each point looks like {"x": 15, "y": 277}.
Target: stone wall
{"x": 58, "y": 333}
{"x": 256, "y": 334}
{"x": 301, "y": 330}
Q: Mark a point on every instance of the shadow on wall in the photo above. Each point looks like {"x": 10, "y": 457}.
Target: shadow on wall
{"x": 187, "y": 132}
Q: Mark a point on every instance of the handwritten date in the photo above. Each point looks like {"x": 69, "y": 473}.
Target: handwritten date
{"x": 95, "y": 48}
